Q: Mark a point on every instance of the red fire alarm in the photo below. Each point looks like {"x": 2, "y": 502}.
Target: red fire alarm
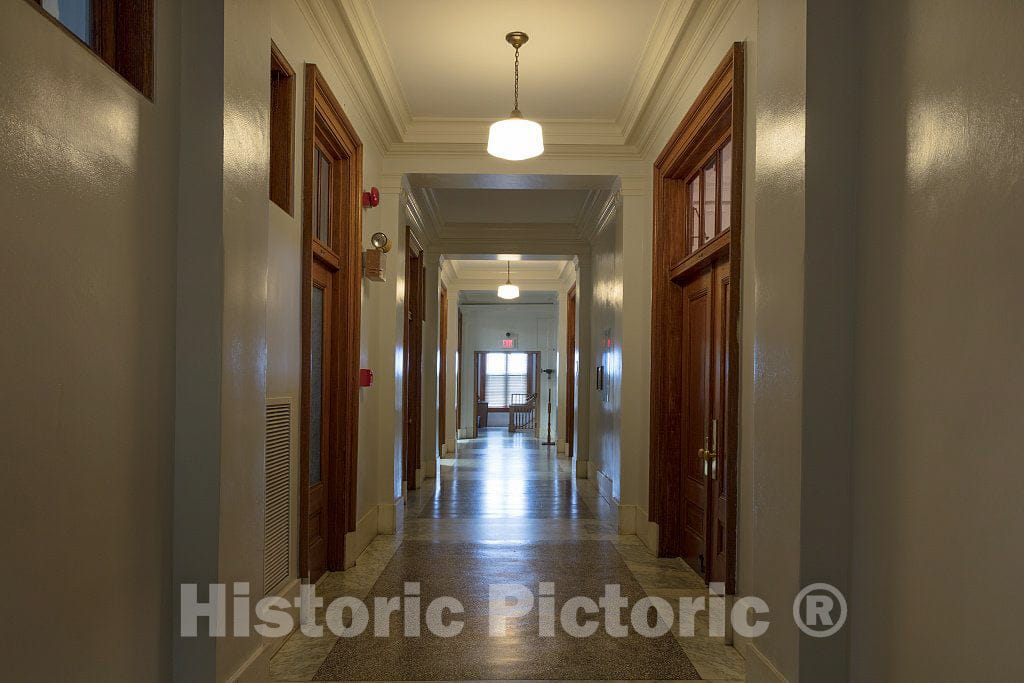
{"x": 365, "y": 377}
{"x": 371, "y": 198}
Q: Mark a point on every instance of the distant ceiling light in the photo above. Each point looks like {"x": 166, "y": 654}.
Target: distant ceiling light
{"x": 508, "y": 290}
{"x": 516, "y": 138}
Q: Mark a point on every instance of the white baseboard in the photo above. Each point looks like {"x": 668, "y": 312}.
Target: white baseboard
{"x": 255, "y": 668}
{"x": 646, "y": 530}
{"x": 741, "y": 643}
{"x": 759, "y": 668}
{"x": 582, "y": 469}
{"x": 390, "y": 516}
{"x": 356, "y": 541}
{"x": 627, "y": 519}
{"x": 602, "y": 481}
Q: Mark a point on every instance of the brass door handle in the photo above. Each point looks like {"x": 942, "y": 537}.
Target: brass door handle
{"x": 713, "y": 453}
{"x": 703, "y": 454}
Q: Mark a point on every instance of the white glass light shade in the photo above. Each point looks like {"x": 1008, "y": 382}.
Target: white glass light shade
{"x": 507, "y": 291}
{"x": 515, "y": 139}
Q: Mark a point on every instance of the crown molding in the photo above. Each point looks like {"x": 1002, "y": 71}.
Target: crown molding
{"x": 365, "y": 29}
{"x": 474, "y": 150}
{"x": 635, "y": 185}
{"x": 591, "y": 218}
{"x": 351, "y": 35}
{"x": 542, "y": 285}
{"x": 556, "y": 131}
{"x": 668, "y": 27}
{"x": 419, "y": 223}
{"x": 332, "y": 29}
{"x": 512, "y": 244}
{"x": 605, "y": 215}
{"x": 478, "y": 274}
{"x": 568, "y": 274}
{"x": 586, "y": 211}
{"x": 697, "y": 34}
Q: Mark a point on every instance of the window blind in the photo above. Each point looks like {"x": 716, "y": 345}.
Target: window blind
{"x": 506, "y": 375}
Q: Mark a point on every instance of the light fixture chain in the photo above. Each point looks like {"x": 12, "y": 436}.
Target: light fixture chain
{"x": 516, "y": 105}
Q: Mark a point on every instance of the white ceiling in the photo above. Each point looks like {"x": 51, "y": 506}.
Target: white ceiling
{"x": 486, "y": 213}
{"x": 522, "y": 271}
{"x": 476, "y": 298}
{"x": 451, "y": 59}
{"x": 510, "y": 206}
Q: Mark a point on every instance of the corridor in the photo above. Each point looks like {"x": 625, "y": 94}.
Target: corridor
{"x": 505, "y": 510}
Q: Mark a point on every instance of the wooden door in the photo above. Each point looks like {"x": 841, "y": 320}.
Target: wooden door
{"x": 478, "y": 387}
{"x": 697, "y": 247}
{"x": 696, "y": 412}
{"x": 458, "y": 379}
{"x": 321, "y": 403}
{"x": 442, "y": 370}
{"x": 570, "y": 371}
{"x": 330, "y": 291}
{"x": 722, "y": 417}
{"x": 412, "y": 360}
{"x": 706, "y": 420}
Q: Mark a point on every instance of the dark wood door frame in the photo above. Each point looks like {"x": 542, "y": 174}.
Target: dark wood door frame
{"x": 442, "y": 370}
{"x": 718, "y": 112}
{"x": 458, "y": 379}
{"x": 570, "y": 370}
{"x": 412, "y": 359}
{"x": 327, "y": 128}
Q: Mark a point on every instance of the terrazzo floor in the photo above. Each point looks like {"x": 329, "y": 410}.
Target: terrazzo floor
{"x": 506, "y": 510}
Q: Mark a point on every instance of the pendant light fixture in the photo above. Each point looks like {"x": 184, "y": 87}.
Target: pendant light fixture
{"x": 516, "y": 138}
{"x": 508, "y": 290}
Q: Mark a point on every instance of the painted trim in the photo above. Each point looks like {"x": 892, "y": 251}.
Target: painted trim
{"x": 627, "y": 519}
{"x": 646, "y": 530}
{"x": 365, "y": 531}
{"x": 604, "y": 485}
{"x": 390, "y": 517}
{"x": 582, "y": 469}
{"x": 256, "y": 667}
{"x": 759, "y": 668}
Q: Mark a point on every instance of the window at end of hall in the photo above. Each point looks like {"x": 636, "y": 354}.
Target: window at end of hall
{"x": 507, "y": 381}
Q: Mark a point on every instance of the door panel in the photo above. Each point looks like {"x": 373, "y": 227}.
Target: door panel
{"x": 696, "y": 348}
{"x": 442, "y": 374}
{"x": 412, "y": 361}
{"x": 721, "y": 427}
{"x": 570, "y": 367}
{"x": 321, "y": 444}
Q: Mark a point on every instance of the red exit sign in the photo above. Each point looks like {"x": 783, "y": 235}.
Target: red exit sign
{"x": 508, "y": 343}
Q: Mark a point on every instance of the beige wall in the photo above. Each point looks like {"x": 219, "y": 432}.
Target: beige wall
{"x": 300, "y": 44}
{"x": 937, "y": 522}
{"x": 605, "y": 335}
{"x": 87, "y": 201}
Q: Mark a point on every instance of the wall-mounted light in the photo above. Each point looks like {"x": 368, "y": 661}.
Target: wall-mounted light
{"x": 374, "y": 262}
